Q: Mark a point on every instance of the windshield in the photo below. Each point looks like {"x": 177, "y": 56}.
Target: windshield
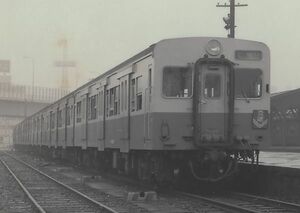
{"x": 212, "y": 86}
{"x": 248, "y": 83}
{"x": 177, "y": 82}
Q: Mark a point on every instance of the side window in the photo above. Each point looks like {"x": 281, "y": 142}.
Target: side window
{"x": 125, "y": 95}
{"x": 177, "y": 82}
{"x": 78, "y": 112}
{"x": 37, "y": 124}
{"x": 42, "y": 123}
{"x": 212, "y": 86}
{"x": 84, "y": 108}
{"x": 34, "y": 125}
{"x": 122, "y": 96}
{"x": 47, "y": 122}
{"x": 117, "y": 101}
{"x": 100, "y": 103}
{"x": 107, "y": 103}
{"x": 112, "y": 94}
{"x": 114, "y": 101}
{"x": 111, "y": 101}
{"x": 63, "y": 116}
{"x": 59, "y": 118}
{"x": 150, "y": 81}
{"x": 93, "y": 107}
{"x": 68, "y": 115}
{"x": 139, "y": 91}
{"x": 132, "y": 95}
{"x": 52, "y": 120}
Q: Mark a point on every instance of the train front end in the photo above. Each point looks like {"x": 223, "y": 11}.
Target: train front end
{"x": 220, "y": 88}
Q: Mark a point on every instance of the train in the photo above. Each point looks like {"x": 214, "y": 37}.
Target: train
{"x": 195, "y": 105}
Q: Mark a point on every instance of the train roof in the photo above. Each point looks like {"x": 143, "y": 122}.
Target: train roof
{"x": 207, "y": 37}
{"x": 134, "y": 58}
{"x": 126, "y": 62}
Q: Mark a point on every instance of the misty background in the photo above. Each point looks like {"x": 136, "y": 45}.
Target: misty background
{"x": 99, "y": 34}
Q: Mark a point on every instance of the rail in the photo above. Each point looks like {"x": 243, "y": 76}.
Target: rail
{"x": 29, "y": 195}
{"x": 96, "y": 203}
{"x": 247, "y": 203}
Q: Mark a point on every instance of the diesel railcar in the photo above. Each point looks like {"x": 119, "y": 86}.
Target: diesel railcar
{"x": 186, "y": 104}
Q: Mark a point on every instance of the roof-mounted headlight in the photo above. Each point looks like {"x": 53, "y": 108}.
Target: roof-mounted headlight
{"x": 214, "y": 48}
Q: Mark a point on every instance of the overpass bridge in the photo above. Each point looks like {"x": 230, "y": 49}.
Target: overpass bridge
{"x": 20, "y": 101}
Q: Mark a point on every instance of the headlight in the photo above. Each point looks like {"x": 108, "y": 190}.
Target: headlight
{"x": 213, "y": 48}
{"x": 260, "y": 119}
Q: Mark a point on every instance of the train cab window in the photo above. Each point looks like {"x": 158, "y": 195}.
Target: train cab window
{"x": 212, "y": 86}
{"x": 248, "y": 83}
{"x": 177, "y": 82}
{"x": 78, "y": 112}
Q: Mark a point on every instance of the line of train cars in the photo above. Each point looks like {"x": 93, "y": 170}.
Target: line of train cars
{"x": 195, "y": 105}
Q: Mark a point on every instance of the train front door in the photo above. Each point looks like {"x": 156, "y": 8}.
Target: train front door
{"x": 213, "y": 103}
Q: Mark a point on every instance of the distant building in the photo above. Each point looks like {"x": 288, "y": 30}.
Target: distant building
{"x": 5, "y": 77}
{"x": 20, "y": 101}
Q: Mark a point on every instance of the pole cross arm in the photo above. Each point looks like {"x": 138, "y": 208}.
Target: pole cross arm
{"x": 230, "y": 20}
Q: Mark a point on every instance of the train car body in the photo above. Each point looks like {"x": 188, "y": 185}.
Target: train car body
{"x": 197, "y": 103}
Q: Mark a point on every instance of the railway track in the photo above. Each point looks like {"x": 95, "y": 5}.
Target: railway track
{"x": 192, "y": 203}
{"x": 12, "y": 198}
{"x": 245, "y": 203}
{"x": 48, "y": 194}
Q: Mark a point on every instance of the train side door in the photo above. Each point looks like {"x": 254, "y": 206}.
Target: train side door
{"x": 101, "y": 117}
{"x": 42, "y": 129}
{"x": 124, "y": 112}
{"x": 213, "y": 103}
{"x": 148, "y": 94}
{"x": 84, "y": 125}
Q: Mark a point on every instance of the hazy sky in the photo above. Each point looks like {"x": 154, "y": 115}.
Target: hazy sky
{"x": 103, "y": 33}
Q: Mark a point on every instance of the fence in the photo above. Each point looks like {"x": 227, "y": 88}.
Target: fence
{"x": 27, "y": 93}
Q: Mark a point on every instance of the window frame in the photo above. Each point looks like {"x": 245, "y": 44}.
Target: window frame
{"x": 59, "y": 118}
{"x": 262, "y": 82}
{"x": 92, "y": 110}
{"x": 52, "y": 120}
{"x": 132, "y": 95}
{"x": 138, "y": 93}
{"x": 79, "y": 112}
{"x": 221, "y": 86}
{"x": 68, "y": 115}
{"x": 192, "y": 85}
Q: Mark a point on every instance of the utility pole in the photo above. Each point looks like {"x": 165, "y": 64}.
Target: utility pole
{"x": 230, "y": 19}
{"x": 33, "y": 70}
{"x": 64, "y": 63}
